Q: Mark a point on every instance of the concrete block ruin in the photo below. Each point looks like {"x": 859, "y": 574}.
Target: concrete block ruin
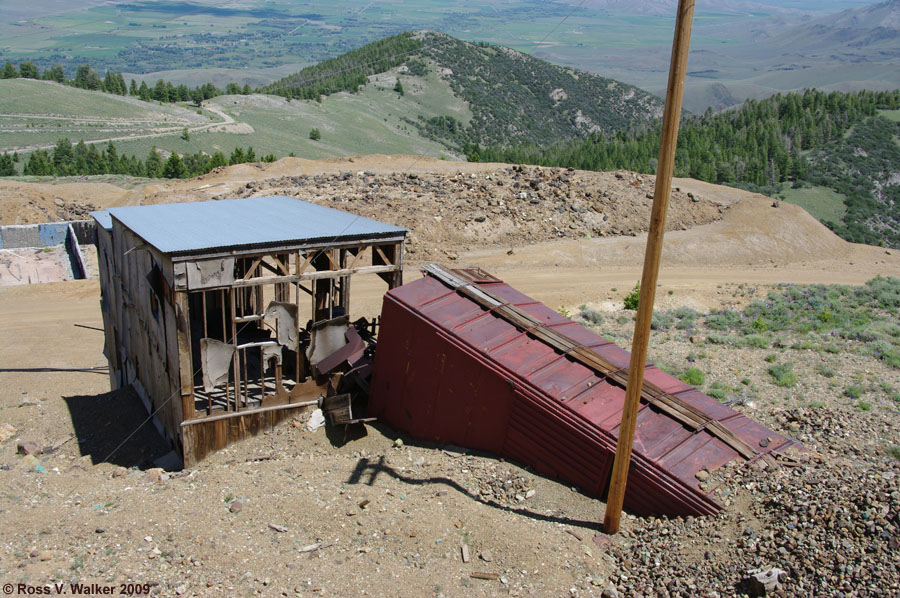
{"x": 46, "y": 252}
{"x": 217, "y": 312}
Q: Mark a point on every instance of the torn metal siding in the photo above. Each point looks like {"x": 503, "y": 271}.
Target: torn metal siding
{"x": 449, "y": 370}
{"x": 258, "y": 221}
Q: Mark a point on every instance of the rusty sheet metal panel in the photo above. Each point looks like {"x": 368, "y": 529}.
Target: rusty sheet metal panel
{"x": 449, "y": 370}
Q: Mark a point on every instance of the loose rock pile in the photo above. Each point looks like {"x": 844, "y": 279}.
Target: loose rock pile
{"x": 510, "y": 206}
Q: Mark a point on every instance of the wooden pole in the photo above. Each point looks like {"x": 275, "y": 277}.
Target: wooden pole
{"x": 665, "y": 167}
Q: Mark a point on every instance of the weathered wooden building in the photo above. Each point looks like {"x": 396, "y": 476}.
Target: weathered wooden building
{"x": 213, "y": 310}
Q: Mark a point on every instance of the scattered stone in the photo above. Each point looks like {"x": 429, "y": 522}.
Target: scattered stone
{"x": 398, "y": 443}
{"x": 6, "y": 432}
{"x": 702, "y": 475}
{"x": 28, "y": 447}
{"x": 278, "y": 528}
{"x": 465, "y": 553}
{"x": 236, "y": 506}
{"x": 602, "y": 541}
{"x": 764, "y": 581}
{"x": 153, "y": 475}
{"x": 486, "y": 556}
{"x": 454, "y": 451}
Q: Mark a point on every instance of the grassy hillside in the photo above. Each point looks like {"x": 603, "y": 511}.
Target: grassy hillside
{"x": 513, "y": 97}
{"x": 423, "y": 93}
{"x": 36, "y": 114}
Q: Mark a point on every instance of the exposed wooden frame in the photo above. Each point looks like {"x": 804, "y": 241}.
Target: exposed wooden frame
{"x": 185, "y": 363}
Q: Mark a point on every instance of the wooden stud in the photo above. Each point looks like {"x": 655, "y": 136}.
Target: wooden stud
{"x": 185, "y": 364}
{"x": 662, "y": 189}
{"x": 252, "y": 268}
{"x": 383, "y": 256}
{"x": 236, "y": 358}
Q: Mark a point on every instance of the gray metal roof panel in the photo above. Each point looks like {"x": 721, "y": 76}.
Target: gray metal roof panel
{"x": 103, "y": 218}
{"x": 196, "y": 226}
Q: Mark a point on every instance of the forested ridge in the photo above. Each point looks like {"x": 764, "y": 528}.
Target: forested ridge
{"x": 347, "y": 72}
{"x": 66, "y": 159}
{"x": 837, "y": 140}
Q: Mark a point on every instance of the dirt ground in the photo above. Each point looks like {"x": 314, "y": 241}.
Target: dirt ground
{"x": 292, "y": 512}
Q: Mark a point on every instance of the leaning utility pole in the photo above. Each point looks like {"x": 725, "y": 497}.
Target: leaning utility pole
{"x": 664, "y": 169}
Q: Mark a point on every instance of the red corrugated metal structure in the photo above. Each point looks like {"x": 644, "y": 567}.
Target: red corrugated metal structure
{"x": 463, "y": 358}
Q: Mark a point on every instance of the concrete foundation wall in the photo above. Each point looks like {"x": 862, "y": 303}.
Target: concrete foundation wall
{"x": 46, "y": 234}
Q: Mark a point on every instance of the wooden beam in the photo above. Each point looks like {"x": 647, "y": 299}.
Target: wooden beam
{"x": 662, "y": 189}
{"x": 302, "y": 269}
{"x": 252, "y": 268}
{"x": 383, "y": 256}
{"x": 185, "y": 361}
{"x": 358, "y": 256}
{"x": 204, "y": 420}
{"x": 236, "y": 359}
{"x": 288, "y": 247}
{"x": 317, "y": 275}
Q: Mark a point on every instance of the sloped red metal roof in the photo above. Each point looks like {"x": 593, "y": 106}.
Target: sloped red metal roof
{"x": 447, "y": 369}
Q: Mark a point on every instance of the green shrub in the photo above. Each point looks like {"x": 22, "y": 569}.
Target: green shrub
{"x": 755, "y": 340}
{"x": 717, "y": 390}
{"x": 590, "y": 315}
{"x": 825, "y": 371}
{"x": 716, "y": 393}
{"x": 895, "y": 451}
{"x": 816, "y": 404}
{"x": 864, "y": 406}
{"x": 719, "y": 339}
{"x": 723, "y": 320}
{"x": 633, "y": 298}
{"x": 854, "y": 391}
{"x": 771, "y": 357}
{"x": 693, "y": 376}
{"x": 685, "y": 313}
{"x": 661, "y": 321}
{"x": 315, "y": 134}
{"x": 783, "y": 374}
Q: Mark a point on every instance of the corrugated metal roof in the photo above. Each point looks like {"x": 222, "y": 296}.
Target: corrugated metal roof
{"x": 103, "y": 218}
{"x": 449, "y": 370}
{"x": 195, "y": 226}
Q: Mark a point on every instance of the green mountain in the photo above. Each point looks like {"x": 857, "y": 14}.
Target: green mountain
{"x": 510, "y": 97}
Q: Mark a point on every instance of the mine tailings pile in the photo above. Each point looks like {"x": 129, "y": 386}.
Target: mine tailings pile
{"x": 464, "y": 358}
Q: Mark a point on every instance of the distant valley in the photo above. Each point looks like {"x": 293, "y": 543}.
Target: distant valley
{"x": 740, "y": 49}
